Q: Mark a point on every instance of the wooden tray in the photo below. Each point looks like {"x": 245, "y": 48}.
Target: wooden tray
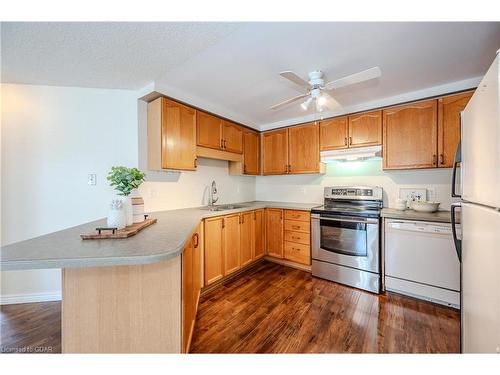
{"x": 128, "y": 231}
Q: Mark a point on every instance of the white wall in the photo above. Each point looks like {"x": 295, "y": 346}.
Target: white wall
{"x": 309, "y": 188}
{"x": 52, "y": 138}
{"x": 170, "y": 190}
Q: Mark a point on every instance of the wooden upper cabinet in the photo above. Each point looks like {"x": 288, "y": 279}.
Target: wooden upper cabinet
{"x": 171, "y": 135}
{"x": 258, "y": 234}
{"x": 209, "y": 130}
{"x": 274, "y": 232}
{"x": 251, "y": 152}
{"x": 232, "y": 245}
{"x": 213, "y": 250}
{"x": 303, "y": 149}
{"x": 246, "y": 238}
{"x": 333, "y": 134}
{"x": 232, "y": 137}
{"x": 410, "y": 136}
{"x": 365, "y": 129}
{"x": 449, "y": 109}
{"x": 275, "y": 152}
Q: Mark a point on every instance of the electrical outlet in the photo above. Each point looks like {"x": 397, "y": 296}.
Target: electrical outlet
{"x": 92, "y": 179}
{"x": 412, "y": 195}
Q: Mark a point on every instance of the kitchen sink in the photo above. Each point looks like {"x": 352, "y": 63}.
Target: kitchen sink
{"x": 222, "y": 207}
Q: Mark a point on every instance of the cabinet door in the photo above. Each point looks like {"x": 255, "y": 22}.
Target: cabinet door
{"x": 274, "y": 232}
{"x": 258, "y": 234}
{"x": 246, "y": 243}
{"x": 197, "y": 242}
{"x": 232, "y": 136}
{"x": 171, "y": 135}
{"x": 275, "y": 152}
{"x": 231, "y": 244}
{"x": 365, "y": 129}
{"x": 214, "y": 251}
{"x": 187, "y": 296}
{"x": 449, "y": 126}
{"x": 251, "y": 152}
{"x": 303, "y": 148}
{"x": 333, "y": 134}
{"x": 410, "y": 136}
{"x": 209, "y": 130}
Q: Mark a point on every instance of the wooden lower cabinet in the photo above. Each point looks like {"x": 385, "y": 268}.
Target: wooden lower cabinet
{"x": 214, "y": 250}
{"x": 258, "y": 234}
{"x": 297, "y": 252}
{"x": 297, "y": 245}
{"x": 231, "y": 246}
{"x": 274, "y": 232}
{"x": 191, "y": 286}
{"x": 246, "y": 238}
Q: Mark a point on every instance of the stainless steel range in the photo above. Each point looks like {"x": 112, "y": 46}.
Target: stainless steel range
{"x": 346, "y": 236}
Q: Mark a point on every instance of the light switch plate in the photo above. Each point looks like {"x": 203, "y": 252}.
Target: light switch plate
{"x": 92, "y": 179}
{"x": 412, "y": 194}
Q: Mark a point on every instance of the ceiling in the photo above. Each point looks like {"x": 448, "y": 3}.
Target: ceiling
{"x": 232, "y": 68}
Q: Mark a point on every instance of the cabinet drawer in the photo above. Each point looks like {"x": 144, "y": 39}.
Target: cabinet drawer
{"x": 297, "y": 215}
{"x": 297, "y": 237}
{"x": 297, "y": 252}
{"x": 298, "y": 226}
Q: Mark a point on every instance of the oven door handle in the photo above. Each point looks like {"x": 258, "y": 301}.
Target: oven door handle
{"x": 362, "y": 221}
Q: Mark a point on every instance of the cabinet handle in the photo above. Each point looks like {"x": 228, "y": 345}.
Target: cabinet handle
{"x": 345, "y": 141}
{"x": 434, "y": 159}
{"x": 441, "y": 159}
{"x": 222, "y": 144}
{"x": 244, "y": 168}
{"x": 255, "y": 215}
{"x": 350, "y": 141}
{"x": 223, "y": 222}
{"x": 195, "y": 162}
{"x": 295, "y": 238}
{"x": 196, "y": 240}
{"x": 242, "y": 219}
{"x": 295, "y": 227}
{"x": 294, "y": 248}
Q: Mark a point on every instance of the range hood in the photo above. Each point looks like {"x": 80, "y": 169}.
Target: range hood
{"x": 351, "y": 154}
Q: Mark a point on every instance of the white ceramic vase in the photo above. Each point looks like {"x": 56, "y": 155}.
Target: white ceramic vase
{"x": 116, "y": 215}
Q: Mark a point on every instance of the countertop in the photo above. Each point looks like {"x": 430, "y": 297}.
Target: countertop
{"x": 161, "y": 241}
{"x": 439, "y": 216}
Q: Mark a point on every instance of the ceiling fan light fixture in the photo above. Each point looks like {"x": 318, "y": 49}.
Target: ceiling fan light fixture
{"x": 306, "y": 104}
{"x": 321, "y": 100}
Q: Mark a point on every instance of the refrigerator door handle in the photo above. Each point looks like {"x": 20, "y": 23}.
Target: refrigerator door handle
{"x": 457, "y": 160}
{"x": 458, "y": 243}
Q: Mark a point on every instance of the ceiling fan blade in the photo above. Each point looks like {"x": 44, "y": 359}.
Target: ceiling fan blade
{"x": 291, "y": 76}
{"x": 365, "y": 75}
{"x": 282, "y": 104}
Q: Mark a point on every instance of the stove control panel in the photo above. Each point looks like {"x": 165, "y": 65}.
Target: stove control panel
{"x": 354, "y": 192}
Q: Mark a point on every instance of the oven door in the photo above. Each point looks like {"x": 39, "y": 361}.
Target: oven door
{"x": 347, "y": 241}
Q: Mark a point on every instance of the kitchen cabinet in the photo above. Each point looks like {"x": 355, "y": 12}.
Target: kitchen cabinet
{"x": 246, "y": 238}
{"x": 258, "y": 234}
{"x": 191, "y": 286}
{"x": 209, "y": 130}
{"x": 365, "y": 129}
{"x": 297, "y": 237}
{"x": 231, "y": 245}
{"x": 214, "y": 251}
{"x": 275, "y": 152}
{"x": 232, "y": 137}
{"x": 333, "y": 133}
{"x": 449, "y": 108}
{"x": 274, "y": 232}
{"x": 215, "y": 133}
{"x": 171, "y": 135}
{"x": 251, "y": 152}
{"x": 409, "y": 136}
{"x": 303, "y": 149}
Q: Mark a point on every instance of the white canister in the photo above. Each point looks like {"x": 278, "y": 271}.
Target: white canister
{"x": 116, "y": 215}
{"x": 400, "y": 204}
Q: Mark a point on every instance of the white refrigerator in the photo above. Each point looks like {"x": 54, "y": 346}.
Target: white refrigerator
{"x": 479, "y": 247}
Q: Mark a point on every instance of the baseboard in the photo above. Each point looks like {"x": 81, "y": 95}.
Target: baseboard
{"x": 30, "y": 297}
{"x": 288, "y": 263}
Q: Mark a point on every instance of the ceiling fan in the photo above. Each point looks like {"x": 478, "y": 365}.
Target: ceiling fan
{"x": 318, "y": 90}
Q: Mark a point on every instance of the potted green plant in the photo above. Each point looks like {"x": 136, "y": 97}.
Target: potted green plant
{"x": 126, "y": 181}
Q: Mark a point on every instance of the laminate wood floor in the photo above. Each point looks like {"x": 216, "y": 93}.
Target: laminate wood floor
{"x": 276, "y": 309}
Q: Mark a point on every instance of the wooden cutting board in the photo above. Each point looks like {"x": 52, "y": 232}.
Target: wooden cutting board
{"x": 128, "y": 231}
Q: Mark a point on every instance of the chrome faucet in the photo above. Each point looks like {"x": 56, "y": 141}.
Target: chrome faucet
{"x": 213, "y": 198}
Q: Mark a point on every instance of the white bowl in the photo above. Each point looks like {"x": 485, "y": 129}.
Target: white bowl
{"x": 423, "y": 206}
